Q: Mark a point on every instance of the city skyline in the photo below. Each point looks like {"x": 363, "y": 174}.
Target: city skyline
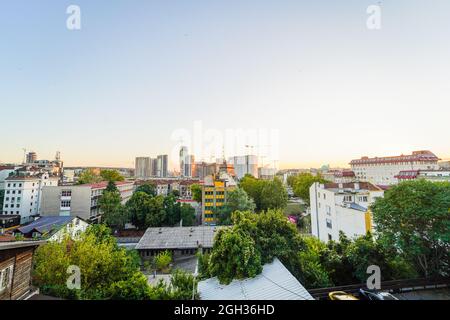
{"x": 334, "y": 89}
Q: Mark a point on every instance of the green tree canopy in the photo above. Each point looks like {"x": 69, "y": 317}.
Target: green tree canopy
{"x": 414, "y": 217}
{"x": 196, "y": 191}
{"x": 187, "y": 214}
{"x": 234, "y": 256}
{"x": 111, "y": 175}
{"x": 113, "y": 212}
{"x": 88, "y": 176}
{"x": 237, "y": 200}
{"x": 267, "y": 194}
{"x": 301, "y": 184}
{"x": 148, "y": 188}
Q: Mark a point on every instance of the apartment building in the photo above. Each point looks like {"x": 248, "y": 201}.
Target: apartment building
{"x": 382, "y": 171}
{"x": 80, "y": 200}
{"x": 23, "y": 194}
{"x": 429, "y": 175}
{"x": 214, "y": 194}
{"x": 339, "y": 176}
{"x": 143, "y": 167}
{"x": 342, "y": 207}
{"x": 243, "y": 165}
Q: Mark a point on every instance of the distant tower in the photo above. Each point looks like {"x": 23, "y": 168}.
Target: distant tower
{"x": 58, "y": 156}
{"x": 31, "y": 157}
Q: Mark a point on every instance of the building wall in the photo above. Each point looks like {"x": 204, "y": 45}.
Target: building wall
{"x": 23, "y": 196}
{"x": 19, "y": 261}
{"x": 80, "y": 201}
{"x": 73, "y": 229}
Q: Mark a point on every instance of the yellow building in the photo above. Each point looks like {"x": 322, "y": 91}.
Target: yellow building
{"x": 214, "y": 194}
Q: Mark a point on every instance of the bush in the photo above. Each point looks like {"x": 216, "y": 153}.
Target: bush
{"x": 163, "y": 260}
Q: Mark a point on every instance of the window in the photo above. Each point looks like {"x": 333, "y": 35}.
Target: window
{"x": 348, "y": 198}
{"x": 65, "y": 204}
{"x": 324, "y": 196}
{"x": 66, "y": 193}
{"x": 6, "y": 278}
{"x": 329, "y": 224}
{"x": 330, "y": 237}
{"x": 19, "y": 192}
{"x": 328, "y": 210}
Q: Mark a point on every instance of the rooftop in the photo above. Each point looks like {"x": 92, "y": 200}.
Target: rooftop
{"x": 423, "y": 155}
{"x": 19, "y": 244}
{"x": 274, "y": 283}
{"x": 178, "y": 238}
{"x": 46, "y": 224}
{"x": 353, "y": 185}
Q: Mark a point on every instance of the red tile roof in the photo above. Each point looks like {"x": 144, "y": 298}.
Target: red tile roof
{"x": 424, "y": 155}
{"x": 351, "y": 185}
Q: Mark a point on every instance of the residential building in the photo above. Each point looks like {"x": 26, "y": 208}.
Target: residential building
{"x": 267, "y": 173}
{"x": 275, "y": 282}
{"x": 180, "y": 241}
{"x": 5, "y": 172}
{"x": 166, "y": 185}
{"x": 342, "y": 207}
{"x": 16, "y": 264}
{"x": 31, "y": 157}
{"x": 23, "y": 194}
{"x": 204, "y": 169}
{"x": 162, "y": 166}
{"x": 243, "y": 165}
{"x": 339, "y": 176}
{"x": 143, "y": 167}
{"x": 214, "y": 194}
{"x": 445, "y": 165}
{"x": 382, "y": 171}
{"x": 53, "y": 228}
{"x": 80, "y": 200}
{"x": 429, "y": 175}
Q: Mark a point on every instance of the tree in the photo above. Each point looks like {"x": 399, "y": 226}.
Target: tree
{"x": 234, "y": 256}
{"x": 237, "y": 200}
{"x": 155, "y": 213}
{"x": 88, "y": 176}
{"x": 187, "y": 214}
{"x": 196, "y": 191}
{"x": 148, "y": 188}
{"x": 107, "y": 270}
{"x": 172, "y": 208}
{"x": 273, "y": 195}
{"x": 145, "y": 211}
{"x": 183, "y": 285}
{"x": 252, "y": 187}
{"x": 163, "y": 260}
{"x": 113, "y": 212}
{"x": 111, "y": 175}
{"x": 414, "y": 217}
{"x": 301, "y": 184}
{"x": 111, "y": 187}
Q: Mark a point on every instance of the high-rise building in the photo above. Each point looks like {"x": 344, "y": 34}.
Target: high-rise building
{"x": 143, "y": 167}
{"x": 162, "y": 165}
{"x": 187, "y": 163}
{"x": 31, "y": 157}
{"x": 214, "y": 194}
{"x": 243, "y": 165}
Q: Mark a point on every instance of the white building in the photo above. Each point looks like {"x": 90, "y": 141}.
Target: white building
{"x": 54, "y": 228}
{"x": 339, "y": 176}
{"x": 382, "y": 171}
{"x": 267, "y": 173}
{"x": 143, "y": 167}
{"x": 245, "y": 165}
{"x": 342, "y": 207}
{"x": 429, "y": 175}
{"x": 23, "y": 194}
{"x": 5, "y": 172}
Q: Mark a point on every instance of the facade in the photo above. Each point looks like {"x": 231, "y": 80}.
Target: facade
{"x": 5, "y": 172}
{"x": 267, "y": 173}
{"x": 79, "y": 200}
{"x": 162, "y": 166}
{"x": 382, "y": 171}
{"x": 243, "y": 165}
{"x": 31, "y": 157}
{"x": 342, "y": 207}
{"x": 16, "y": 261}
{"x": 166, "y": 185}
{"x": 429, "y": 175}
{"x": 143, "y": 167}
{"x": 54, "y": 228}
{"x": 339, "y": 176}
{"x": 214, "y": 194}
{"x": 180, "y": 241}
{"x": 23, "y": 194}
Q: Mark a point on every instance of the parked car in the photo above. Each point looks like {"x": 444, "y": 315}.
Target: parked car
{"x": 341, "y": 295}
{"x": 376, "y": 295}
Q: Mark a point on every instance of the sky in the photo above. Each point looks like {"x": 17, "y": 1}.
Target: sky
{"x": 139, "y": 71}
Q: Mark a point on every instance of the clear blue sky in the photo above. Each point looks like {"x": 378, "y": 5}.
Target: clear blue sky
{"x": 140, "y": 69}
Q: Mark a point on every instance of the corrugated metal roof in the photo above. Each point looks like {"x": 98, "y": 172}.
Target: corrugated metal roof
{"x": 178, "y": 237}
{"x": 45, "y": 224}
{"x": 274, "y": 283}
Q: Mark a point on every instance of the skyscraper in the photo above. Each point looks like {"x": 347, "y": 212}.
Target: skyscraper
{"x": 143, "y": 167}
{"x": 162, "y": 165}
{"x": 31, "y": 157}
